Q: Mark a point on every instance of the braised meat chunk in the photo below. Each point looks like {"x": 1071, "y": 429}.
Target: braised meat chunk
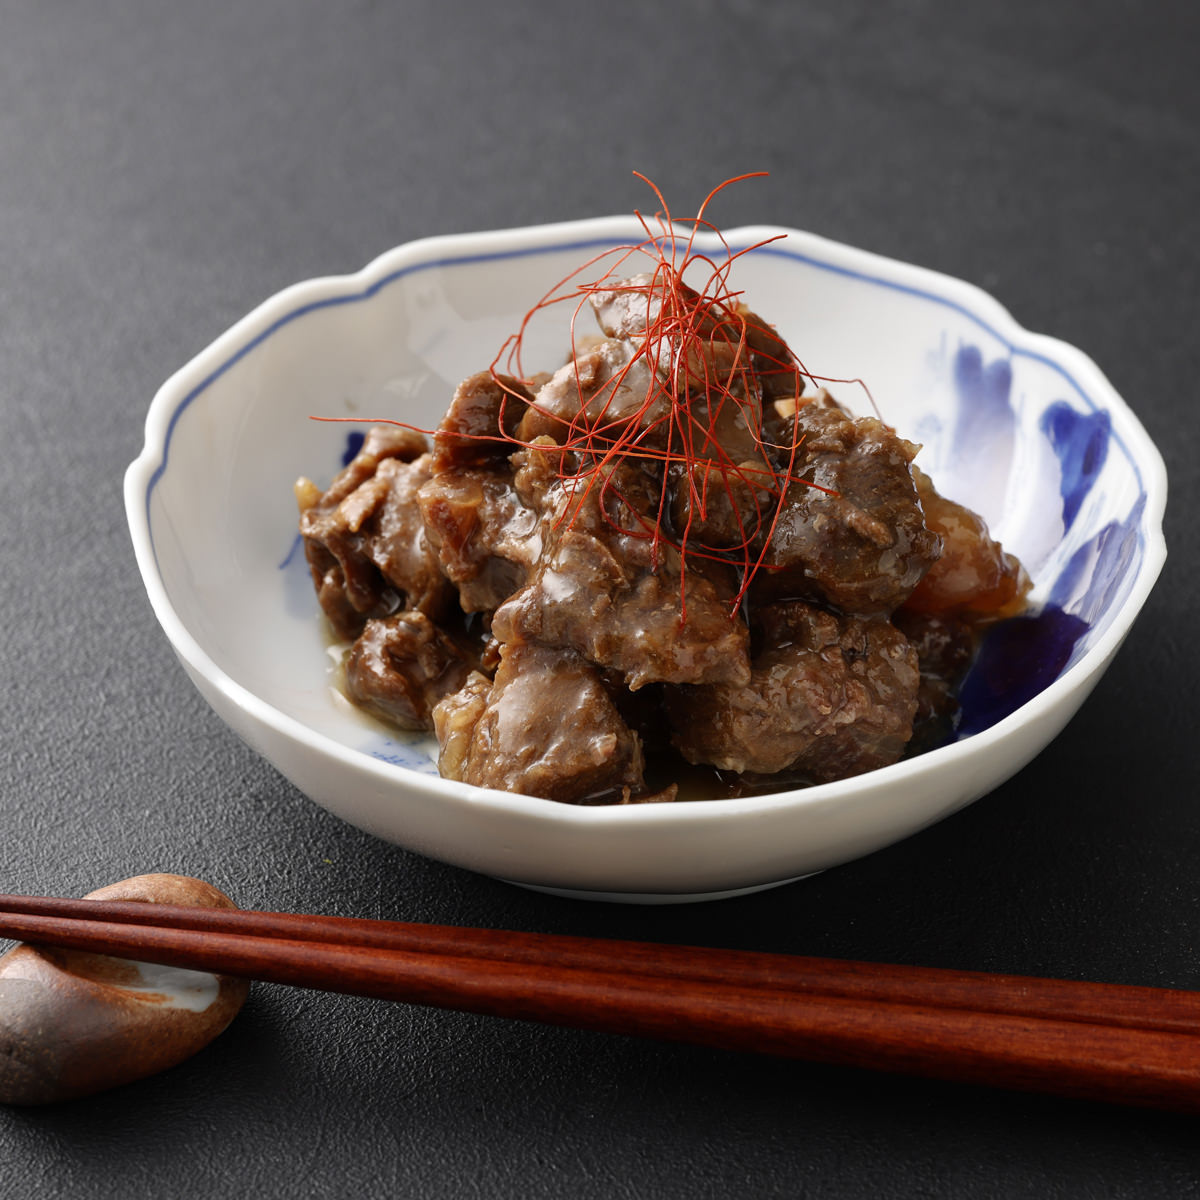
{"x": 973, "y": 576}
{"x": 598, "y": 590}
{"x": 545, "y": 726}
{"x": 401, "y": 666}
{"x": 830, "y": 696}
{"x": 477, "y": 429}
{"x": 851, "y": 531}
{"x": 663, "y": 303}
{"x": 944, "y": 646}
{"x": 605, "y": 386}
{"x": 485, "y": 538}
{"x": 364, "y": 538}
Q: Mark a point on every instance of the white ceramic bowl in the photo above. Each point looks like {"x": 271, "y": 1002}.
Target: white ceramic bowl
{"x": 1021, "y": 427}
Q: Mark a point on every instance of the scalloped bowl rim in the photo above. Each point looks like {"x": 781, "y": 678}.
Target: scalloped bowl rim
{"x": 189, "y": 381}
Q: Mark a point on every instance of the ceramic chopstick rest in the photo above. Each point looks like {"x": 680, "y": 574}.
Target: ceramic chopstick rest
{"x": 74, "y": 1023}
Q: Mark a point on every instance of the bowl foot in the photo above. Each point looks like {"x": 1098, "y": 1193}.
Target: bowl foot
{"x": 657, "y": 897}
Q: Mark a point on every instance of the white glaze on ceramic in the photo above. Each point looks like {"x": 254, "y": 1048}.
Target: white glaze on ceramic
{"x": 231, "y": 590}
{"x": 171, "y": 987}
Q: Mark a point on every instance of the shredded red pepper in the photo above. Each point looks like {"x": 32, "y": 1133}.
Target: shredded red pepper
{"x": 681, "y": 321}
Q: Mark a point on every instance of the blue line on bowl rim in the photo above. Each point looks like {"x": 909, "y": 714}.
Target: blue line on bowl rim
{"x": 773, "y": 250}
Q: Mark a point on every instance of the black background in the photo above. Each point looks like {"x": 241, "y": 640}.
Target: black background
{"x": 163, "y": 168}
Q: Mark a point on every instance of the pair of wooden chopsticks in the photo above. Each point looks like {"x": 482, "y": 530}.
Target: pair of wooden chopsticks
{"x": 1107, "y": 1042}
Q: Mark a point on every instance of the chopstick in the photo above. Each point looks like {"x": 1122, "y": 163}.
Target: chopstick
{"x": 1115, "y": 1043}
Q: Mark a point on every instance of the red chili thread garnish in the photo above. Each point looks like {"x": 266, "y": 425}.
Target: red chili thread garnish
{"x": 692, "y": 403}
{"x": 693, "y": 400}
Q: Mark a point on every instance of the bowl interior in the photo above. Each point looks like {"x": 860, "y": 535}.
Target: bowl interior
{"x": 1024, "y": 429}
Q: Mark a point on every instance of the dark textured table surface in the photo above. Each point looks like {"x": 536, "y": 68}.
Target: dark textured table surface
{"x": 163, "y": 168}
